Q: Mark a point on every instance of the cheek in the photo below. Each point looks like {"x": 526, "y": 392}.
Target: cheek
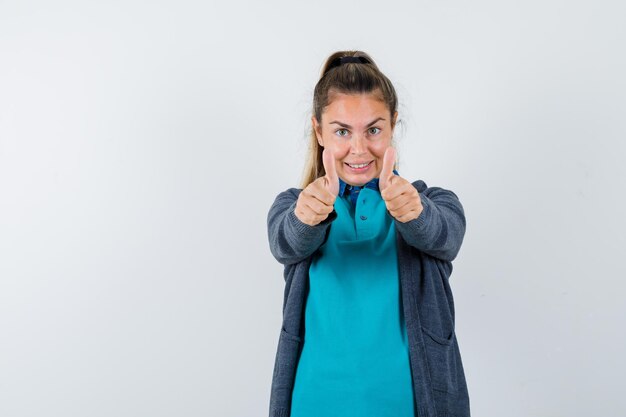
{"x": 379, "y": 152}
{"x": 378, "y": 147}
{"x": 341, "y": 151}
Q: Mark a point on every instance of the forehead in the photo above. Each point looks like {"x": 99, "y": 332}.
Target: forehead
{"x": 355, "y": 108}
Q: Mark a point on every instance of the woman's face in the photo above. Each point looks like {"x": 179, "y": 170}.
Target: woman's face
{"x": 357, "y": 129}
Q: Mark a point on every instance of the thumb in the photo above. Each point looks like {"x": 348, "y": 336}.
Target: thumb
{"x": 386, "y": 174}
{"x": 328, "y": 159}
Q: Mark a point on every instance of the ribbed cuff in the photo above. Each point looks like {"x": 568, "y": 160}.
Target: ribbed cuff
{"x": 281, "y": 412}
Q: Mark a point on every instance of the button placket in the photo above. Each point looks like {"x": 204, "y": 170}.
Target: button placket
{"x": 362, "y": 214}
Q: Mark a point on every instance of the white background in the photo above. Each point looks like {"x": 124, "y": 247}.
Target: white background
{"x": 142, "y": 144}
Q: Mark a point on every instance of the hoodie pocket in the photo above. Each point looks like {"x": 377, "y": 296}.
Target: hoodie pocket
{"x": 441, "y": 356}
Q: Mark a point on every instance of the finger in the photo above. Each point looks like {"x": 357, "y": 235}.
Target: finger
{"x": 411, "y": 215}
{"x": 328, "y": 159}
{"x": 396, "y": 186}
{"x": 306, "y": 215}
{"x": 319, "y": 190}
{"x": 387, "y": 170}
{"x": 317, "y": 206}
{"x": 398, "y": 204}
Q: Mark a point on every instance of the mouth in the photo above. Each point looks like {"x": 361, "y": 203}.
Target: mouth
{"x": 357, "y": 168}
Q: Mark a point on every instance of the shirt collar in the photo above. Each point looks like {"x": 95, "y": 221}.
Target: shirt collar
{"x": 345, "y": 188}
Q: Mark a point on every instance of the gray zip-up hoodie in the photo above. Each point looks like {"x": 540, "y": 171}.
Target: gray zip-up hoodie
{"x": 426, "y": 247}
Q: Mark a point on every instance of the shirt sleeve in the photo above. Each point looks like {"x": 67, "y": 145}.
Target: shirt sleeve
{"x": 440, "y": 227}
{"x": 290, "y": 239}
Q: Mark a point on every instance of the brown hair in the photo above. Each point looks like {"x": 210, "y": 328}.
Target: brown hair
{"x": 346, "y": 78}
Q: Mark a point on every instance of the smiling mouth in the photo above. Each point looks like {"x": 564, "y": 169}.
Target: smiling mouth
{"x": 359, "y": 166}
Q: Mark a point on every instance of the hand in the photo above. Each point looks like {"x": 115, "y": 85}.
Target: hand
{"x": 317, "y": 200}
{"x": 400, "y": 196}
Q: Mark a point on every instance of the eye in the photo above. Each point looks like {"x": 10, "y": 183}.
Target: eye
{"x": 374, "y": 128}
{"x": 341, "y": 130}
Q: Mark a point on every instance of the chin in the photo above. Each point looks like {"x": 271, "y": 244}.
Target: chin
{"x": 358, "y": 180}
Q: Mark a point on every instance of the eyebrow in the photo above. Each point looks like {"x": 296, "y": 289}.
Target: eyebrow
{"x": 350, "y": 127}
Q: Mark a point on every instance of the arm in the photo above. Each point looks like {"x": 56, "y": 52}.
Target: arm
{"x": 440, "y": 227}
{"x": 290, "y": 239}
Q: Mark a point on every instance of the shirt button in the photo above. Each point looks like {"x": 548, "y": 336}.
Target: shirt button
{"x": 363, "y": 217}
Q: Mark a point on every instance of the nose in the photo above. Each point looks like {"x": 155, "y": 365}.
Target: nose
{"x": 357, "y": 144}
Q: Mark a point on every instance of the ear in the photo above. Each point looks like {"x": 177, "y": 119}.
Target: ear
{"x": 394, "y": 120}
{"x": 393, "y": 125}
{"x": 317, "y": 129}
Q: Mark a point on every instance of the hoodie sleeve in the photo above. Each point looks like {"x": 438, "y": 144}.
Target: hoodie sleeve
{"x": 440, "y": 227}
{"x": 290, "y": 239}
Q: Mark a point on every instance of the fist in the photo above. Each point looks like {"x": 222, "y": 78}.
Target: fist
{"x": 401, "y": 197}
{"x": 317, "y": 200}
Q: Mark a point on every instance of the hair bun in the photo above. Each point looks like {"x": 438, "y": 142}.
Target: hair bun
{"x": 348, "y": 59}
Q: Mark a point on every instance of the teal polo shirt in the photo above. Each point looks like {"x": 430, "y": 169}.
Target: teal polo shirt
{"x": 355, "y": 357}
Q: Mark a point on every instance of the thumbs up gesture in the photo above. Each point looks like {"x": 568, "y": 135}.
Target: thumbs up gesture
{"x": 401, "y": 197}
{"x": 317, "y": 200}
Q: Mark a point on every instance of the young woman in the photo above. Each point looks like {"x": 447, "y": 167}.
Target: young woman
{"x": 368, "y": 313}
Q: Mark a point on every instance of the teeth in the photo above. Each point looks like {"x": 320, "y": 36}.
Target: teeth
{"x": 359, "y": 166}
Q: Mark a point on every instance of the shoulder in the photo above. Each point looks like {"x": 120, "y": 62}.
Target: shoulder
{"x": 424, "y": 189}
{"x": 420, "y": 185}
{"x": 289, "y": 193}
{"x": 285, "y": 199}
